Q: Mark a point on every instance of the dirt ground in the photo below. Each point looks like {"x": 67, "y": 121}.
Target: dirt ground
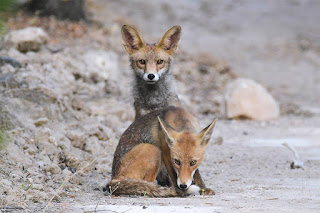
{"x": 68, "y": 104}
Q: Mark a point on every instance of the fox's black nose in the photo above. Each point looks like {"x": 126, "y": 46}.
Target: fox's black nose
{"x": 151, "y": 76}
{"x": 183, "y": 186}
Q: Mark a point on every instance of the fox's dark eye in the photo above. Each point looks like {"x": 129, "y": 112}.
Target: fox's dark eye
{"x": 176, "y": 161}
{"x": 142, "y": 61}
{"x": 160, "y": 62}
{"x": 192, "y": 163}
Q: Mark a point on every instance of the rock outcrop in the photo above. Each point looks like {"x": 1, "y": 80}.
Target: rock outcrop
{"x": 245, "y": 98}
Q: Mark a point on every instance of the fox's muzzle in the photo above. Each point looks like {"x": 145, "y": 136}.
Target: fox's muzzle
{"x": 185, "y": 181}
{"x": 185, "y": 184}
{"x": 151, "y": 78}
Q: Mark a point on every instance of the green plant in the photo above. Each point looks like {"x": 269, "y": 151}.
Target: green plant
{"x": 6, "y": 6}
{"x": 26, "y": 186}
{"x": 113, "y": 189}
{"x": 145, "y": 194}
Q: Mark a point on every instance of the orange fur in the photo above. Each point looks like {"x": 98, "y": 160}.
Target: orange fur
{"x": 169, "y": 137}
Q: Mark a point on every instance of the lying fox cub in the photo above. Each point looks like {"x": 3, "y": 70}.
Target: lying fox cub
{"x": 164, "y": 145}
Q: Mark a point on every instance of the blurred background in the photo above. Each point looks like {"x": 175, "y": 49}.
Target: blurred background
{"x": 274, "y": 42}
{"x": 269, "y": 41}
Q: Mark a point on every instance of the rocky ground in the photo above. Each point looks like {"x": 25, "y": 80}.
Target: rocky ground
{"x": 66, "y": 106}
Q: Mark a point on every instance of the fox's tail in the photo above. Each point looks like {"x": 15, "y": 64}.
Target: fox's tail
{"x": 138, "y": 187}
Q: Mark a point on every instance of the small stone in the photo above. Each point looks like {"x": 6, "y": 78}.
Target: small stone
{"x": 77, "y": 138}
{"x": 31, "y": 150}
{"x": 66, "y": 172}
{"x": 77, "y": 180}
{"x": 31, "y": 141}
{"x": 204, "y": 69}
{"x": 27, "y": 39}
{"x": 37, "y": 187}
{"x": 30, "y": 180}
{"x": 40, "y": 122}
{"x": 37, "y": 196}
{"x": 53, "y": 140}
{"x": 54, "y": 48}
{"x": 53, "y": 168}
{"x": 248, "y": 99}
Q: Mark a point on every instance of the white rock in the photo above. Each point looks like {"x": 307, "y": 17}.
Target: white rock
{"x": 246, "y": 98}
{"x": 27, "y": 39}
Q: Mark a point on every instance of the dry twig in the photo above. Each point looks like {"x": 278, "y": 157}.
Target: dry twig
{"x": 297, "y": 162}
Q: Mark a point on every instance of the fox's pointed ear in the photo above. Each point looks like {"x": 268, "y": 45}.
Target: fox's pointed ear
{"x": 131, "y": 39}
{"x": 168, "y": 131}
{"x": 206, "y": 133}
{"x": 169, "y": 42}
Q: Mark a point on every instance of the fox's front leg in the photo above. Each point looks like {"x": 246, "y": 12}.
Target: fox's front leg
{"x": 199, "y": 182}
{"x": 172, "y": 174}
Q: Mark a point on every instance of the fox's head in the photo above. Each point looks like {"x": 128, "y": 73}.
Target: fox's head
{"x": 186, "y": 150}
{"x": 150, "y": 61}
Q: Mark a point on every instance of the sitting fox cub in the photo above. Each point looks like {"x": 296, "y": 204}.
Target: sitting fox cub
{"x": 151, "y": 64}
{"x": 164, "y": 145}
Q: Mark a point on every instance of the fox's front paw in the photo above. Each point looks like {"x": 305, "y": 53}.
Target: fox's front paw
{"x": 207, "y": 191}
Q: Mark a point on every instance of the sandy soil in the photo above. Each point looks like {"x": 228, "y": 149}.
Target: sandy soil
{"x": 69, "y": 103}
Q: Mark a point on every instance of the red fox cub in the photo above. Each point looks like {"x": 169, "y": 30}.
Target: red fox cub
{"x": 164, "y": 145}
{"x": 153, "y": 88}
